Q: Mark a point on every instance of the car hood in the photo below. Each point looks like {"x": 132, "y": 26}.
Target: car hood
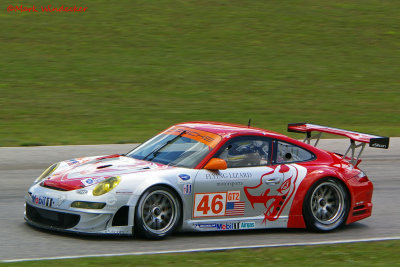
{"x": 82, "y": 172}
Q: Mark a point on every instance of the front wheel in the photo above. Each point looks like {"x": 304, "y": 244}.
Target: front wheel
{"x": 326, "y": 205}
{"x": 158, "y": 213}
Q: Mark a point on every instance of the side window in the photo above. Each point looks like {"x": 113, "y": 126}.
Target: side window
{"x": 287, "y": 153}
{"x": 247, "y": 151}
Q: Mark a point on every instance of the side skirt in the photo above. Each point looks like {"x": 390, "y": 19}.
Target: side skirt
{"x": 227, "y": 224}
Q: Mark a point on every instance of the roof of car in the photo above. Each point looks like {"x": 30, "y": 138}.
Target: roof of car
{"x": 224, "y": 129}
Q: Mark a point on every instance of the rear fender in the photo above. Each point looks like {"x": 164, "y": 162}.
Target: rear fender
{"x": 296, "y": 211}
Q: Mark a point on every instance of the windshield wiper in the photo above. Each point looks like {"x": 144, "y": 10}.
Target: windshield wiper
{"x": 156, "y": 151}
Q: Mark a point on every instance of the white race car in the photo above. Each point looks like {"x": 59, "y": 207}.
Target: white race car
{"x": 206, "y": 176}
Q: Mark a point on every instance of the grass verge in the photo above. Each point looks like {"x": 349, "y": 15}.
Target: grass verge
{"x": 356, "y": 254}
{"x": 125, "y": 70}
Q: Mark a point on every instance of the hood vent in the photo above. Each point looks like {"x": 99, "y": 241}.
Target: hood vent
{"x": 52, "y": 187}
{"x": 104, "y": 166}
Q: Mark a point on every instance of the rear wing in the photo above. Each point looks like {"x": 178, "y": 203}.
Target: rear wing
{"x": 362, "y": 138}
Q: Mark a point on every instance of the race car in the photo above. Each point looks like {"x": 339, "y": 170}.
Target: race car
{"x": 208, "y": 176}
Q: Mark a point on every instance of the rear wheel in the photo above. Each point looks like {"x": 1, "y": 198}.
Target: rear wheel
{"x": 158, "y": 213}
{"x": 326, "y": 205}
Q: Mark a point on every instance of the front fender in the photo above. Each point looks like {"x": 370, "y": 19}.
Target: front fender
{"x": 146, "y": 184}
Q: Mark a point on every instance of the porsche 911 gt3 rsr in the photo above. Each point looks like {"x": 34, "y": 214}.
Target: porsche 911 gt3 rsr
{"x": 208, "y": 176}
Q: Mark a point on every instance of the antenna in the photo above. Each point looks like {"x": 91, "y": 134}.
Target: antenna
{"x": 248, "y": 124}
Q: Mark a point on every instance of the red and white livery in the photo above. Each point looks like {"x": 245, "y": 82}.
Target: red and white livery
{"x": 208, "y": 176}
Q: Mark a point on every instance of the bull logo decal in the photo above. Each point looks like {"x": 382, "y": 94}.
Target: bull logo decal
{"x": 275, "y": 200}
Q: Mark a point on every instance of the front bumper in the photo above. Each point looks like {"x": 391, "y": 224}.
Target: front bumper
{"x": 57, "y": 214}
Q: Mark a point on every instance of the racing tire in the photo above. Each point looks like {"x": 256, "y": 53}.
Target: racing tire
{"x": 157, "y": 214}
{"x": 326, "y": 205}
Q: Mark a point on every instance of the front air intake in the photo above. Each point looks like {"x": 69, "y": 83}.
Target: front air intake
{"x": 51, "y": 218}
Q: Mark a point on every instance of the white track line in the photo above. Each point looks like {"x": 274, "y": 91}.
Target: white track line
{"x": 211, "y": 249}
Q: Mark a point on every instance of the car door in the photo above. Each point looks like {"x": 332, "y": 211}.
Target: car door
{"x": 238, "y": 190}
{"x": 274, "y": 193}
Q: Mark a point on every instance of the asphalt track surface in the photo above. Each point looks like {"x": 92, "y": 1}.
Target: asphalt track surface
{"x": 19, "y": 166}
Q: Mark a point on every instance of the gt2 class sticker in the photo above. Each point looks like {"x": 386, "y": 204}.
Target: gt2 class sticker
{"x": 218, "y": 204}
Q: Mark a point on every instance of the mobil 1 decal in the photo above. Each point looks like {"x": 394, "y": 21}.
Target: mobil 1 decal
{"x": 275, "y": 199}
{"x": 218, "y": 204}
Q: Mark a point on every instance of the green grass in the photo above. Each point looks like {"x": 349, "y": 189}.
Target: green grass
{"x": 356, "y": 254}
{"x": 124, "y": 70}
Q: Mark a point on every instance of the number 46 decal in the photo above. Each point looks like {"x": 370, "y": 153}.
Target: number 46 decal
{"x": 213, "y": 204}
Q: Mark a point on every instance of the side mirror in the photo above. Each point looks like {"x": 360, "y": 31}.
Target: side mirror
{"x": 216, "y": 164}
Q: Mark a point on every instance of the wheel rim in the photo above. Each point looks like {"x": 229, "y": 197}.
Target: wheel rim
{"x": 327, "y": 203}
{"x": 159, "y": 211}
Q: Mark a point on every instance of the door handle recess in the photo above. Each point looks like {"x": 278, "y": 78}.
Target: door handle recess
{"x": 273, "y": 181}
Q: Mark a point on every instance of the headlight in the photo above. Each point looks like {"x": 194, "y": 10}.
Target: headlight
{"x": 106, "y": 186}
{"x": 47, "y": 172}
{"x": 87, "y": 205}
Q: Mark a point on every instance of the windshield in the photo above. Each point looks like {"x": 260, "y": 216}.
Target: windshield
{"x": 177, "y": 146}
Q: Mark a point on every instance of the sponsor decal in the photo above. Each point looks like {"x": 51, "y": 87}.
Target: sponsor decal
{"x": 218, "y": 204}
{"x": 236, "y": 226}
{"x": 228, "y": 175}
{"x": 247, "y": 225}
{"x": 378, "y": 145}
{"x": 275, "y": 200}
{"x": 184, "y": 178}
{"x": 124, "y": 191}
{"x": 206, "y": 225}
{"x": 187, "y": 189}
{"x": 109, "y": 157}
{"x": 230, "y": 184}
{"x": 42, "y": 200}
{"x": 111, "y": 200}
{"x": 112, "y": 230}
{"x": 92, "y": 181}
{"x": 82, "y": 191}
{"x": 72, "y": 161}
{"x": 89, "y": 181}
{"x": 227, "y": 226}
{"x": 206, "y": 138}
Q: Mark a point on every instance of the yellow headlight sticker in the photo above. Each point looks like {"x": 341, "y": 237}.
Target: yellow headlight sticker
{"x": 48, "y": 171}
{"x": 88, "y": 205}
{"x": 106, "y": 186}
